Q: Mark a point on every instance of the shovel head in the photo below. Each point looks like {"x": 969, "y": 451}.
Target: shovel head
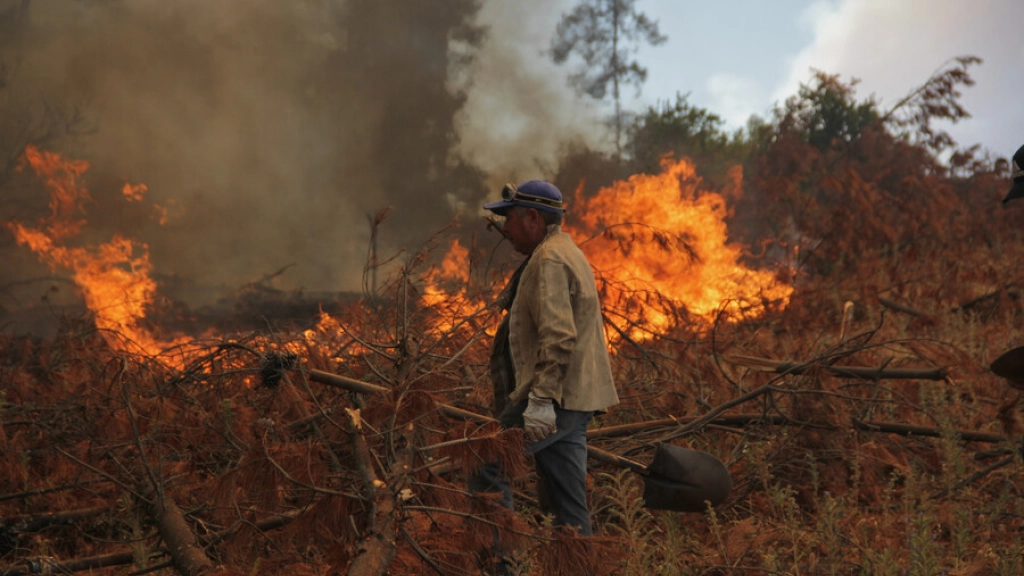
{"x": 685, "y": 480}
{"x": 1010, "y": 365}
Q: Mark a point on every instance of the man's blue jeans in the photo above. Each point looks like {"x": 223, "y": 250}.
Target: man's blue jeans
{"x": 562, "y": 467}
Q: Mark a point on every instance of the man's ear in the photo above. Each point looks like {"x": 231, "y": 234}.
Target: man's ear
{"x": 535, "y": 217}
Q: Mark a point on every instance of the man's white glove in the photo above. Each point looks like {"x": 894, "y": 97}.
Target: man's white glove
{"x": 539, "y": 418}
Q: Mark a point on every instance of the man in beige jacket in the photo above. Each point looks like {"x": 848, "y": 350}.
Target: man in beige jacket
{"x": 550, "y": 360}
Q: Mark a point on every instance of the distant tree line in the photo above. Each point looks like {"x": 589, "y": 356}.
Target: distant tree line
{"x": 835, "y": 175}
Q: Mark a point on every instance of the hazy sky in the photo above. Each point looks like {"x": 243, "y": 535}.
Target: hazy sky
{"x": 738, "y": 57}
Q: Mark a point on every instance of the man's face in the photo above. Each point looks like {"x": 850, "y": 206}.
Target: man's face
{"x": 525, "y": 229}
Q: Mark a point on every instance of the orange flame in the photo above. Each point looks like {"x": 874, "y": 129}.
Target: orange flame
{"x": 134, "y": 192}
{"x": 113, "y": 277}
{"x": 659, "y": 248}
{"x": 454, "y": 270}
{"x": 66, "y": 197}
{"x": 446, "y": 289}
{"x": 658, "y": 245}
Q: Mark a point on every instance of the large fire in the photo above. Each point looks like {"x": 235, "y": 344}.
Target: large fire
{"x": 454, "y": 270}
{"x": 659, "y": 248}
{"x": 114, "y": 277}
{"x": 658, "y": 245}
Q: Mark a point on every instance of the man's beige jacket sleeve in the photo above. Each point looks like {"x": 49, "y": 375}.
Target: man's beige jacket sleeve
{"x": 556, "y": 330}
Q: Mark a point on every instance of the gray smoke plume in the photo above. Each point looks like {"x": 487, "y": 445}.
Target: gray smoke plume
{"x": 271, "y": 131}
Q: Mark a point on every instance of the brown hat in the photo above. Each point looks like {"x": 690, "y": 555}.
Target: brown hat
{"x": 1018, "y": 177}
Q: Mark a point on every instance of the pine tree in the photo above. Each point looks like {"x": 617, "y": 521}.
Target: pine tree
{"x": 605, "y": 34}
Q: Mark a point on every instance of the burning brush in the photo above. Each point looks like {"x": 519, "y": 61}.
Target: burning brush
{"x": 273, "y": 366}
{"x": 678, "y": 478}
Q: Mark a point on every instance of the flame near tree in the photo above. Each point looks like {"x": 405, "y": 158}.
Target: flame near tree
{"x": 114, "y": 277}
{"x": 658, "y": 244}
{"x": 659, "y": 247}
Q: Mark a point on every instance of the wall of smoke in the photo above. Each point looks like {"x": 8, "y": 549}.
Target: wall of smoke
{"x": 271, "y": 131}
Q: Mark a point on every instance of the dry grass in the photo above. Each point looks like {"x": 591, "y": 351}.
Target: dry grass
{"x": 276, "y": 476}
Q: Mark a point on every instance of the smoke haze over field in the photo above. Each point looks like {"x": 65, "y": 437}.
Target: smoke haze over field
{"x": 269, "y": 130}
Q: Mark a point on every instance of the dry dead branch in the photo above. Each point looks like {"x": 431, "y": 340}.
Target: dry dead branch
{"x": 35, "y": 522}
{"x": 47, "y": 565}
{"x": 912, "y": 430}
{"x": 378, "y": 547}
{"x": 869, "y": 373}
{"x": 901, "y": 307}
{"x": 187, "y": 556}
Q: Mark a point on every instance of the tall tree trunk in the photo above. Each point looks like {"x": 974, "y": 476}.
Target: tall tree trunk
{"x": 616, "y": 24}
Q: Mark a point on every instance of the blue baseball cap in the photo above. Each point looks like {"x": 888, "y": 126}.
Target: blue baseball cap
{"x": 537, "y": 194}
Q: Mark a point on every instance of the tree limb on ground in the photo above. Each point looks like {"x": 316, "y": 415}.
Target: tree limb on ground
{"x": 379, "y": 547}
{"x": 187, "y": 557}
{"x": 902, "y": 308}
{"x": 867, "y": 372}
{"x": 913, "y": 430}
{"x": 37, "y": 565}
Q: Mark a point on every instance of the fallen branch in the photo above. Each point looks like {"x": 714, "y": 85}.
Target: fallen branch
{"x": 297, "y": 482}
{"x": 634, "y": 427}
{"x": 53, "y": 566}
{"x": 31, "y": 493}
{"x": 913, "y": 430}
{"x": 35, "y": 522}
{"x": 379, "y": 547}
{"x": 976, "y": 476}
{"x": 186, "y": 555}
{"x": 351, "y": 384}
{"x": 975, "y": 301}
{"x": 272, "y": 523}
{"x": 39, "y": 565}
{"x": 424, "y": 555}
{"x": 746, "y": 419}
{"x": 711, "y": 416}
{"x": 902, "y": 308}
{"x": 866, "y": 372}
{"x": 124, "y": 486}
